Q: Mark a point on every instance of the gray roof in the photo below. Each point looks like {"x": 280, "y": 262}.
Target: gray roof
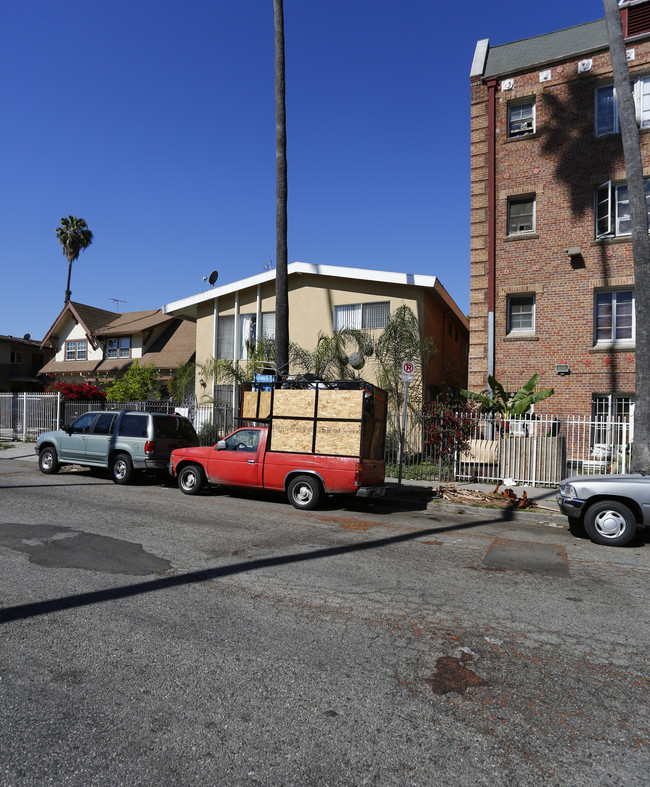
{"x": 560, "y": 45}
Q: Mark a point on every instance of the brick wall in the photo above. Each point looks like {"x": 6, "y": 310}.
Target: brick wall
{"x": 562, "y": 163}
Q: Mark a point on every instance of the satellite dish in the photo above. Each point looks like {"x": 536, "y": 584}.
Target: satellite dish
{"x": 27, "y": 337}
{"x": 212, "y": 278}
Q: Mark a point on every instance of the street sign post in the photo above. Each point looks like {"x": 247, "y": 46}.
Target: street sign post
{"x": 408, "y": 376}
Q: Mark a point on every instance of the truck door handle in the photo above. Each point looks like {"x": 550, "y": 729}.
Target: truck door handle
{"x": 251, "y": 461}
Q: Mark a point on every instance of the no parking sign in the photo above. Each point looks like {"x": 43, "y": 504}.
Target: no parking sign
{"x": 408, "y": 371}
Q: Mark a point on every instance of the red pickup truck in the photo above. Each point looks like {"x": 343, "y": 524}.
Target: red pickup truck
{"x": 242, "y": 459}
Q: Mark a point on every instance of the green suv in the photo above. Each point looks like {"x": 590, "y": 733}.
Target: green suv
{"x": 121, "y": 441}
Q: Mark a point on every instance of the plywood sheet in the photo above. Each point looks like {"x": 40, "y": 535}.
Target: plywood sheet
{"x": 249, "y": 406}
{"x": 338, "y": 438}
{"x": 294, "y": 403}
{"x": 292, "y": 435}
{"x": 339, "y": 404}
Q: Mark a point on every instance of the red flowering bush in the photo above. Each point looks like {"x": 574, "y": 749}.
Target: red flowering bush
{"x": 76, "y": 392}
{"x": 447, "y": 429}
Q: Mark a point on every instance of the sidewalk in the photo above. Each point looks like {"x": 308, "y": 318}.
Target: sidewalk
{"x": 23, "y": 451}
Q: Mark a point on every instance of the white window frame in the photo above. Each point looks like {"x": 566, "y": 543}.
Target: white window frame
{"x": 520, "y": 200}
{"x": 356, "y": 310}
{"x": 610, "y": 124}
{"x": 520, "y": 330}
{"x": 515, "y": 105}
{"x": 72, "y": 351}
{"x": 612, "y": 339}
{"x": 608, "y": 214}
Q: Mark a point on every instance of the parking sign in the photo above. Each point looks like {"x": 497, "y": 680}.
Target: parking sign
{"x": 408, "y": 371}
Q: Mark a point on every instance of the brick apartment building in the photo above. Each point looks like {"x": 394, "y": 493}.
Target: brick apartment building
{"x": 552, "y": 279}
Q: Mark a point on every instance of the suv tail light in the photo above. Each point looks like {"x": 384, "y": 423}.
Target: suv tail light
{"x": 149, "y": 447}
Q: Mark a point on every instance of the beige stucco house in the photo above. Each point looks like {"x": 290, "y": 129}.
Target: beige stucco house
{"x": 326, "y": 298}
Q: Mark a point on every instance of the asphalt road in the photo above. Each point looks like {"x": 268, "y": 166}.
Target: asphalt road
{"x": 150, "y": 638}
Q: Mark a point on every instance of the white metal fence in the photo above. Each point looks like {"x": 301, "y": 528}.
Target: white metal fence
{"x": 535, "y": 450}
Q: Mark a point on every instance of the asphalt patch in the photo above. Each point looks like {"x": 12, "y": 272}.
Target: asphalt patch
{"x": 53, "y": 546}
{"x": 528, "y": 556}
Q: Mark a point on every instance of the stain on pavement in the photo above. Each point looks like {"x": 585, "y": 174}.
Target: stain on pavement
{"x": 528, "y": 556}
{"x": 452, "y": 675}
{"x": 55, "y": 546}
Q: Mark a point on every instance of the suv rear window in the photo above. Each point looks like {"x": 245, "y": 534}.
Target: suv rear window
{"x": 173, "y": 426}
{"x": 104, "y": 423}
{"x": 134, "y": 425}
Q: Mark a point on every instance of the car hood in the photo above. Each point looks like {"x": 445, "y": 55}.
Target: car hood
{"x": 604, "y": 478}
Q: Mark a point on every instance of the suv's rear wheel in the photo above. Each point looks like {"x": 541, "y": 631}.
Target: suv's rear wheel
{"x": 122, "y": 469}
{"x": 191, "y": 480}
{"x": 48, "y": 461}
{"x": 611, "y": 523}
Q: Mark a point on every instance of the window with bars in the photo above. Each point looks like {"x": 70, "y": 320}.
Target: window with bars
{"x": 613, "y": 417}
{"x": 362, "y": 316}
{"x": 614, "y": 316}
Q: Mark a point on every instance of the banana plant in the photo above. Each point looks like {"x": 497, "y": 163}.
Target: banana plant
{"x": 508, "y": 404}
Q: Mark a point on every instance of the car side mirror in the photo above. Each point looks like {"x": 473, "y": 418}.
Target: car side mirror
{"x": 221, "y": 445}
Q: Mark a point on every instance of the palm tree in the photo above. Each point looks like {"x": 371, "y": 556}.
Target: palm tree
{"x": 402, "y": 340}
{"x": 281, "y": 254}
{"x": 74, "y": 236}
{"x": 639, "y": 226}
{"x": 330, "y": 358}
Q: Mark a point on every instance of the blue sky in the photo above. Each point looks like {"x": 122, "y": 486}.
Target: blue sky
{"x": 154, "y": 121}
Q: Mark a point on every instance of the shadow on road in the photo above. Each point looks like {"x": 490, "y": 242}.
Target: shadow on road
{"x": 23, "y": 611}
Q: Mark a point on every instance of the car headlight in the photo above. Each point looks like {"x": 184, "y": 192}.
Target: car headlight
{"x": 568, "y": 490}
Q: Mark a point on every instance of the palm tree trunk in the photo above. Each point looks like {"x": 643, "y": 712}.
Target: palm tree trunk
{"x": 67, "y": 286}
{"x": 640, "y": 238}
{"x": 281, "y": 255}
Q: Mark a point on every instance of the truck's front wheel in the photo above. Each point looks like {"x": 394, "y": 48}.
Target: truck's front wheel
{"x": 191, "y": 480}
{"x": 304, "y": 492}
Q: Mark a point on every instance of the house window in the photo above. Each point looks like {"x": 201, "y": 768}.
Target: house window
{"x": 521, "y": 314}
{"x": 118, "y": 348}
{"x": 226, "y": 337}
{"x": 613, "y": 417}
{"x": 76, "y": 350}
{"x": 16, "y": 356}
{"x": 607, "y": 121}
{"x": 247, "y": 333}
{"x": 613, "y": 209}
{"x": 521, "y": 215}
{"x": 362, "y": 316}
{"x": 268, "y": 325}
{"x": 521, "y": 118}
{"x": 614, "y": 316}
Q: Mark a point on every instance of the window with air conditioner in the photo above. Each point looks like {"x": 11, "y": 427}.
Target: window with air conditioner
{"x": 521, "y": 118}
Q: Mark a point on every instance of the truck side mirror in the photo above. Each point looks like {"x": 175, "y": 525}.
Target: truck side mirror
{"x": 221, "y": 445}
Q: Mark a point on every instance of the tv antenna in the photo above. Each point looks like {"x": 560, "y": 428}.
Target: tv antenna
{"x": 268, "y": 265}
{"x": 116, "y": 301}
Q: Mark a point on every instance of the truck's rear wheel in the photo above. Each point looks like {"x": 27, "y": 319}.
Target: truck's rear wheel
{"x": 191, "y": 480}
{"x": 304, "y": 492}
